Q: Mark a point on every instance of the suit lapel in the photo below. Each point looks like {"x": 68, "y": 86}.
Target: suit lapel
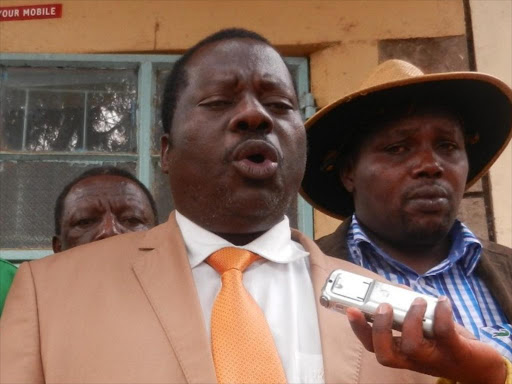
{"x": 163, "y": 270}
{"x": 341, "y": 350}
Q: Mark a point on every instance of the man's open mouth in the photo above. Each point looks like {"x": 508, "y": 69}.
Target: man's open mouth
{"x": 256, "y": 159}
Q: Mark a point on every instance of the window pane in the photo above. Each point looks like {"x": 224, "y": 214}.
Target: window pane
{"x": 28, "y": 190}
{"x": 68, "y": 109}
{"x": 111, "y": 122}
{"x": 54, "y": 121}
{"x": 12, "y": 110}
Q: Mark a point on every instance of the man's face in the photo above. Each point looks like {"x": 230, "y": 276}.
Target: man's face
{"x": 237, "y": 148}
{"x": 102, "y": 206}
{"x": 409, "y": 177}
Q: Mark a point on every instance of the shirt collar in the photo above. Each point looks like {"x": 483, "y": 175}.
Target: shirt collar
{"x": 465, "y": 248}
{"x": 275, "y": 245}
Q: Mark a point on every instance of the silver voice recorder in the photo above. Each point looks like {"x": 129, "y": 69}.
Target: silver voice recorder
{"x": 345, "y": 289}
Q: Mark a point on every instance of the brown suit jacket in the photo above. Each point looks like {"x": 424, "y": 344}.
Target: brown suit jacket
{"x": 126, "y": 310}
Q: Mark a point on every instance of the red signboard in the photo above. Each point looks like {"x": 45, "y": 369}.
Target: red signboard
{"x": 30, "y": 12}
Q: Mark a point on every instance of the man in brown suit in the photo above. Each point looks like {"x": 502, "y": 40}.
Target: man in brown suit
{"x": 135, "y": 308}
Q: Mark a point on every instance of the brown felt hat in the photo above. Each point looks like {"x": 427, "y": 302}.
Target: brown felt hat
{"x": 483, "y": 103}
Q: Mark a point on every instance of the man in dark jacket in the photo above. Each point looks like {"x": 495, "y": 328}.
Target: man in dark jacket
{"x": 395, "y": 158}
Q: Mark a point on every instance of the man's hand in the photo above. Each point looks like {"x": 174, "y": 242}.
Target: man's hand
{"x": 453, "y": 353}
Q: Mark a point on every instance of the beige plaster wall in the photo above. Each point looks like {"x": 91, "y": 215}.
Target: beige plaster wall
{"x": 492, "y": 30}
{"x": 139, "y": 26}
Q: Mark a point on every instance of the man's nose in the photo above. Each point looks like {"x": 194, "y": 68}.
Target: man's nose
{"x": 109, "y": 227}
{"x": 251, "y": 115}
{"x": 427, "y": 164}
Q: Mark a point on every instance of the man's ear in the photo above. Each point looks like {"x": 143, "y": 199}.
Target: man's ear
{"x": 56, "y": 244}
{"x": 347, "y": 176}
{"x": 165, "y": 146}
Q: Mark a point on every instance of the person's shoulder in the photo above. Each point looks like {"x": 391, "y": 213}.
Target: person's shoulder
{"x": 496, "y": 256}
{"x": 5, "y": 265}
{"x": 110, "y": 261}
{"x": 7, "y": 270}
{"x": 107, "y": 254}
{"x": 335, "y": 243}
{"x": 328, "y": 239}
{"x": 329, "y": 244}
{"x": 496, "y": 249}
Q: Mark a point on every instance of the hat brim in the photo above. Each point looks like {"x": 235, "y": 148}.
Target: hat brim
{"x": 483, "y": 102}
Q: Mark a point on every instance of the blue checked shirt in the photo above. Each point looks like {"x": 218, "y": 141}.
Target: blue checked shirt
{"x": 473, "y": 305}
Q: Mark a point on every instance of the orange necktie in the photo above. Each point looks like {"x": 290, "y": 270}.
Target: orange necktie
{"x": 242, "y": 345}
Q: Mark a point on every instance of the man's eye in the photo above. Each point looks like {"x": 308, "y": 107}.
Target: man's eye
{"x": 280, "y": 106}
{"x": 216, "y": 103}
{"x": 132, "y": 220}
{"x": 396, "y": 149}
{"x": 448, "y": 146}
{"x": 84, "y": 222}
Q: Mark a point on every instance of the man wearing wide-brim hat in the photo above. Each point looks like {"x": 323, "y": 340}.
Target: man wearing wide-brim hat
{"x": 394, "y": 159}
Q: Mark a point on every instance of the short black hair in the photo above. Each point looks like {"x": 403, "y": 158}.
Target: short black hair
{"x": 177, "y": 79}
{"x": 98, "y": 171}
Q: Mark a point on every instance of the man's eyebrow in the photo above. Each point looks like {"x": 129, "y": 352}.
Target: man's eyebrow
{"x": 454, "y": 128}
{"x": 222, "y": 79}
{"x": 281, "y": 88}
{"x": 404, "y": 131}
{"x": 82, "y": 211}
{"x": 269, "y": 81}
{"x": 401, "y": 131}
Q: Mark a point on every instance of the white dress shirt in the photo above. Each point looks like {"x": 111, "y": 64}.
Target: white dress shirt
{"x": 281, "y": 285}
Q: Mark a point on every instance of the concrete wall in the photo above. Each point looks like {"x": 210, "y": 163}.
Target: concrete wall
{"x": 172, "y": 26}
{"x": 343, "y": 39}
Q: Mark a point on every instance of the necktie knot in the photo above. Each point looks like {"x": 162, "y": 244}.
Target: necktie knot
{"x": 231, "y": 258}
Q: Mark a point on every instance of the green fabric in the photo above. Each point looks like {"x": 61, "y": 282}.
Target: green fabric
{"x": 7, "y": 272}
